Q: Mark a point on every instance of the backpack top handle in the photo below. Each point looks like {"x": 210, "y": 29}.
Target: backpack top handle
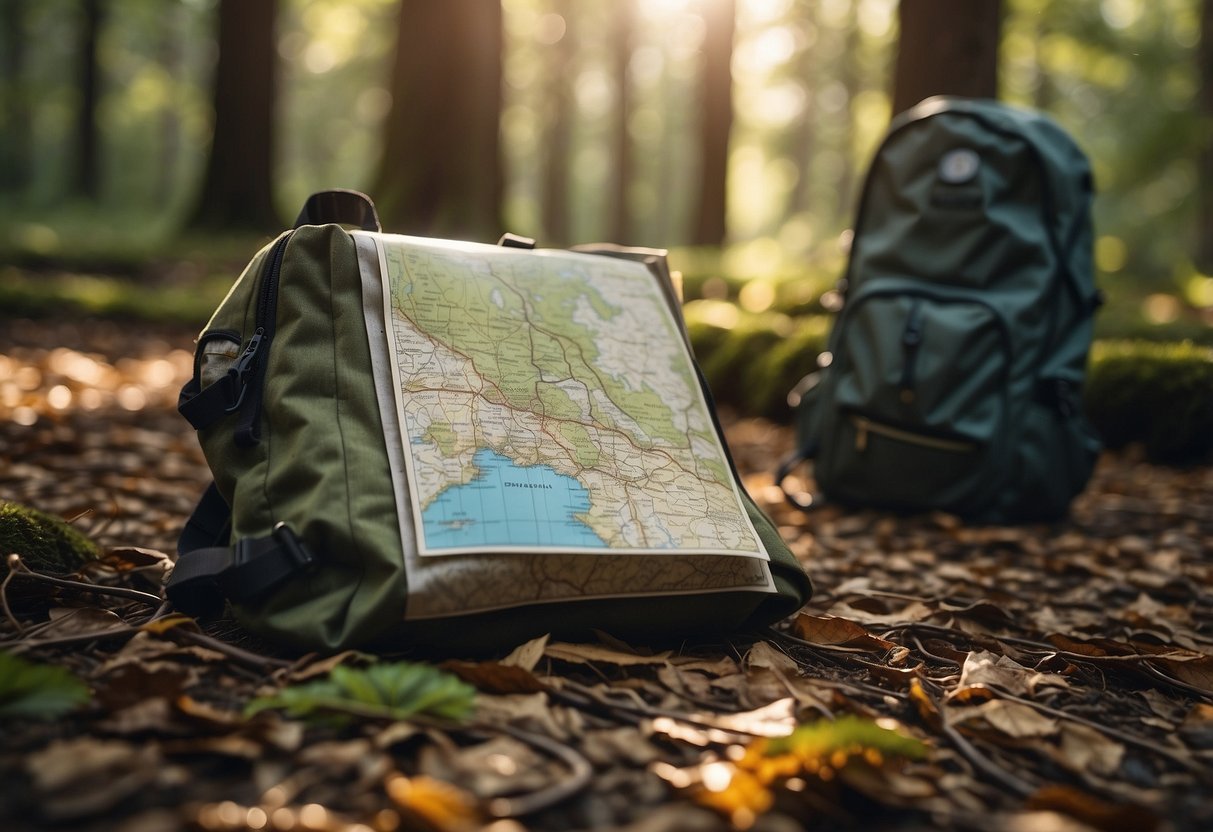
{"x": 341, "y": 206}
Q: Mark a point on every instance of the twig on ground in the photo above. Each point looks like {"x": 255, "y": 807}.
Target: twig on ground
{"x": 1108, "y": 731}
{"x": 1020, "y": 787}
{"x": 17, "y": 567}
{"x": 255, "y": 661}
{"x": 581, "y": 774}
{"x": 8, "y": 612}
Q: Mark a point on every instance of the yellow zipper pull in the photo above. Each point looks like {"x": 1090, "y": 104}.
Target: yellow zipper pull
{"x": 861, "y": 434}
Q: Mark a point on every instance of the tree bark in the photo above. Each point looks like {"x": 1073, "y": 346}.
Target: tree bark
{"x": 621, "y": 54}
{"x": 556, "y": 220}
{"x": 14, "y": 102}
{"x": 1204, "y": 190}
{"x": 237, "y": 189}
{"x": 717, "y": 121}
{"x": 946, "y": 47}
{"x": 441, "y": 170}
{"x": 86, "y": 179}
{"x": 850, "y": 77}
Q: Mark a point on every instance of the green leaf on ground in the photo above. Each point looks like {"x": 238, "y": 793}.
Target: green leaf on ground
{"x": 382, "y": 691}
{"x": 38, "y": 691}
{"x": 847, "y": 732}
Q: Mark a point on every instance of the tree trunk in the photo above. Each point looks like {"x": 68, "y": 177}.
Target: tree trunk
{"x": 800, "y": 198}
{"x": 169, "y": 56}
{"x": 717, "y": 122}
{"x": 556, "y": 220}
{"x": 621, "y": 53}
{"x": 946, "y": 47}
{"x": 237, "y": 190}
{"x": 15, "y": 112}
{"x": 1204, "y": 190}
{"x": 86, "y": 176}
{"x": 441, "y": 170}
{"x": 850, "y": 77}
{"x": 1044, "y": 91}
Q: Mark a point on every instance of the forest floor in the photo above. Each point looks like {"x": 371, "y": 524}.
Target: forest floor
{"x": 1045, "y": 678}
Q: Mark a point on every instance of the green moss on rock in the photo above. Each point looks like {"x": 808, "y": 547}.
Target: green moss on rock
{"x": 45, "y": 542}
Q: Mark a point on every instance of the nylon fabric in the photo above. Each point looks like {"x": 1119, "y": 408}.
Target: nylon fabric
{"x": 322, "y": 467}
{"x": 969, "y": 290}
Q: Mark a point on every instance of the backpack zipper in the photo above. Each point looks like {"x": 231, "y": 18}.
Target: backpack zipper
{"x": 911, "y": 339}
{"x": 864, "y": 426}
{"x": 250, "y": 368}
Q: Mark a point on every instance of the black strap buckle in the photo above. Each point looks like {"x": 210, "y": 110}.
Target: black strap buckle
{"x": 261, "y": 564}
{"x": 285, "y": 537}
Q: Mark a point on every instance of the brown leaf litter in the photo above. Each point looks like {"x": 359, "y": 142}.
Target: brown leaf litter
{"x": 1056, "y": 677}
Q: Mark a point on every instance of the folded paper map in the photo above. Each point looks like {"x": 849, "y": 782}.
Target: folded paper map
{"x": 550, "y": 434}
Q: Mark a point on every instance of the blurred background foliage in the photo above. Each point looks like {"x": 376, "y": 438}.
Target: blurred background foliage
{"x": 605, "y": 121}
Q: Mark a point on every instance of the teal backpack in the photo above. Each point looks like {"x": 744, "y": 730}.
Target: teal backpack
{"x": 954, "y": 371}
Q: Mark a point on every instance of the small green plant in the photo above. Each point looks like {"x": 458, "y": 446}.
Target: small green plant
{"x": 396, "y": 690}
{"x": 37, "y": 691}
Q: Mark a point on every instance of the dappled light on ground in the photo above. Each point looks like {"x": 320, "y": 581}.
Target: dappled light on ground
{"x": 945, "y": 676}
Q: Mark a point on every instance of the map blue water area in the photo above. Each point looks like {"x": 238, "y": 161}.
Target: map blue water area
{"x": 510, "y": 505}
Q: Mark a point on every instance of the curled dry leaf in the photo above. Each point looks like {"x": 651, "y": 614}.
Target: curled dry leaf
{"x": 985, "y": 668}
{"x": 527, "y": 656}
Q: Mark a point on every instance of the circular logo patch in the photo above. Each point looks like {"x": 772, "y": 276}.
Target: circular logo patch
{"x": 959, "y": 166}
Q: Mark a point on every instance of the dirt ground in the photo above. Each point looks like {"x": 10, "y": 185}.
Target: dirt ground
{"x": 1050, "y": 677}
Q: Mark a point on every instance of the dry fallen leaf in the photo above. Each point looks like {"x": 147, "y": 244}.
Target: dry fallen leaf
{"x": 983, "y": 668}
{"x": 527, "y": 656}
{"x": 1013, "y": 719}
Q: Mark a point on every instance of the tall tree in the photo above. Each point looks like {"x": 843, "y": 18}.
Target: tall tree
{"x": 1204, "y": 190}
{"x": 621, "y": 62}
{"x": 850, "y": 74}
{"x": 86, "y": 175}
{"x": 946, "y": 47}
{"x": 169, "y": 54}
{"x": 555, "y": 172}
{"x": 14, "y": 101}
{"x": 237, "y": 189}
{"x": 441, "y": 169}
{"x": 800, "y": 198}
{"x": 716, "y": 122}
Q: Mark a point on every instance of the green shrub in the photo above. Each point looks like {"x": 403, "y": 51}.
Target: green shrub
{"x": 1157, "y": 394}
{"x": 782, "y": 366}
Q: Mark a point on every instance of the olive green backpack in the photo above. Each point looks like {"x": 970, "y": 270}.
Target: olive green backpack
{"x": 954, "y": 371}
{"x": 459, "y": 446}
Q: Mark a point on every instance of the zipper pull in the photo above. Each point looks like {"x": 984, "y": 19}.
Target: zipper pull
{"x": 861, "y": 434}
{"x": 911, "y": 339}
{"x": 245, "y": 365}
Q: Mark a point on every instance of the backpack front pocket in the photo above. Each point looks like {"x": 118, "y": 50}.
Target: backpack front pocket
{"x": 920, "y": 399}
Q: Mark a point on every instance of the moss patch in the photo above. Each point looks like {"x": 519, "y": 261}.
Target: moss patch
{"x": 1158, "y": 394}
{"x": 46, "y": 543}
